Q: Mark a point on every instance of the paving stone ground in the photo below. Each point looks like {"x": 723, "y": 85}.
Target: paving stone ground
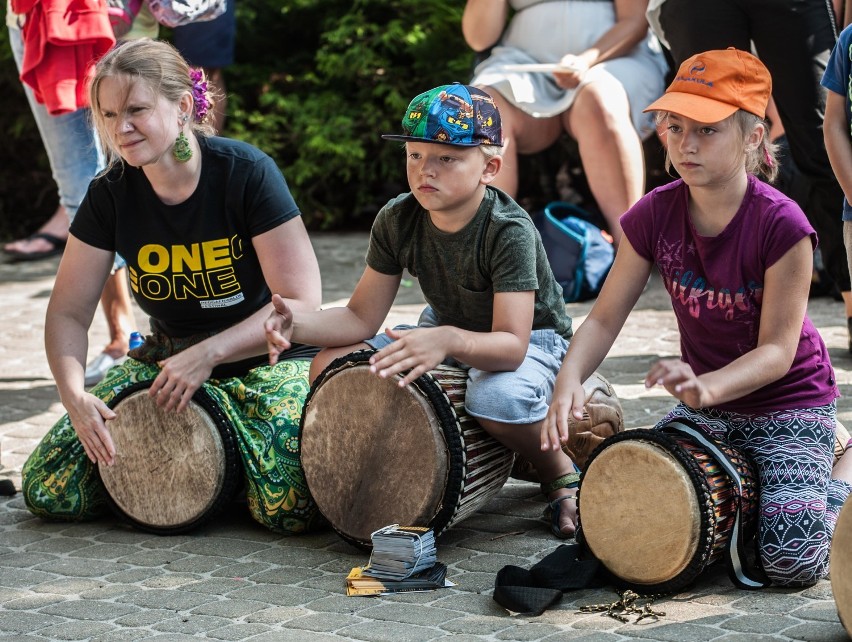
{"x": 234, "y": 580}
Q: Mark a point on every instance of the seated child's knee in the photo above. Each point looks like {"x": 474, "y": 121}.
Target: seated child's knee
{"x": 502, "y": 399}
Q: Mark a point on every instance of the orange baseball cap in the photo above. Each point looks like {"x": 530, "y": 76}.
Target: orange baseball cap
{"x": 711, "y": 86}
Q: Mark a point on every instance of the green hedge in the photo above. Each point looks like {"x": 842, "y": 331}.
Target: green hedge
{"x": 315, "y": 85}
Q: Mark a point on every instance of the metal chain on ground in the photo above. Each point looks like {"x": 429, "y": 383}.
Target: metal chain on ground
{"x": 626, "y": 605}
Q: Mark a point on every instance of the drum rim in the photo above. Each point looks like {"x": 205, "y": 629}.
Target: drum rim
{"x": 451, "y": 431}
{"x": 844, "y": 611}
{"x": 707, "y": 524}
{"x": 231, "y": 475}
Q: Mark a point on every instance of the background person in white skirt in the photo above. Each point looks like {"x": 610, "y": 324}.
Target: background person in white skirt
{"x": 614, "y": 67}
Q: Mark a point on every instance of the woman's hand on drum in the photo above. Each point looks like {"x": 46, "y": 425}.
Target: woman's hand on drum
{"x": 680, "y": 381}
{"x": 279, "y": 329}
{"x": 180, "y": 376}
{"x": 419, "y": 350}
{"x": 88, "y": 415}
{"x": 567, "y": 404}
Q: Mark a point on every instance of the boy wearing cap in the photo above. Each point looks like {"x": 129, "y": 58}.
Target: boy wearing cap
{"x": 736, "y": 257}
{"x": 493, "y": 303}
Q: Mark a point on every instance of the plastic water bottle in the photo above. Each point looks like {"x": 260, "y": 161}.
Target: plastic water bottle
{"x": 136, "y": 340}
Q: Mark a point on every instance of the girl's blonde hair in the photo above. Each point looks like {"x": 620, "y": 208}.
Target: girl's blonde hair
{"x": 761, "y": 161}
{"x": 159, "y": 65}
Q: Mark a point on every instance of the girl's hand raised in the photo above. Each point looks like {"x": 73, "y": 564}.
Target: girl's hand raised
{"x": 567, "y": 404}
{"x": 680, "y": 381}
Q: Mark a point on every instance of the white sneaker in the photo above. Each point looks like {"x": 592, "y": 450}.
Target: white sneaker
{"x": 98, "y": 367}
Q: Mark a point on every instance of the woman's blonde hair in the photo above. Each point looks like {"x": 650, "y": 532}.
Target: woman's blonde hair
{"x": 761, "y": 161}
{"x": 159, "y": 65}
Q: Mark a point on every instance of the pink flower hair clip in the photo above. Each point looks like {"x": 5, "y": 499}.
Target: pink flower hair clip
{"x": 199, "y": 94}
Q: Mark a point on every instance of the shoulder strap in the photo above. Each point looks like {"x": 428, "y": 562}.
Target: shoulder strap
{"x": 740, "y": 571}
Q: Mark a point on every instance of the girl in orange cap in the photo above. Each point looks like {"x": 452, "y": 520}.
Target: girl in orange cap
{"x": 736, "y": 257}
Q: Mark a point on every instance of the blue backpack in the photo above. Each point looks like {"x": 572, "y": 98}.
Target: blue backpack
{"x": 579, "y": 253}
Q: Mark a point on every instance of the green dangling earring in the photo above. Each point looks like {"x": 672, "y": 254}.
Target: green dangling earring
{"x": 182, "y": 150}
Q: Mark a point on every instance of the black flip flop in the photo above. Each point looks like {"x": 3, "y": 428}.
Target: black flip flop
{"x": 57, "y": 243}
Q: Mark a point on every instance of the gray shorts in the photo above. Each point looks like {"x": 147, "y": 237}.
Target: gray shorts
{"x": 521, "y": 396}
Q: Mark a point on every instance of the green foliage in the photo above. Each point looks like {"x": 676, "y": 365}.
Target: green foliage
{"x": 317, "y": 83}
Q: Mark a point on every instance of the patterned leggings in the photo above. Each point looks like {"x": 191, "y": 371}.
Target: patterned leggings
{"x": 792, "y": 451}
{"x": 263, "y": 407}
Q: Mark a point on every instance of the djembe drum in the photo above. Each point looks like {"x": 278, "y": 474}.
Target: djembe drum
{"x": 841, "y": 566}
{"x": 376, "y": 454}
{"x": 172, "y": 471}
{"x": 657, "y": 507}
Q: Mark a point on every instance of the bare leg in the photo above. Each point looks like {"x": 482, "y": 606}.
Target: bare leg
{"x": 522, "y": 134}
{"x": 847, "y": 302}
{"x": 847, "y": 296}
{"x": 611, "y": 151}
{"x": 549, "y": 464}
{"x": 327, "y": 355}
{"x": 115, "y": 301}
{"x": 57, "y": 225}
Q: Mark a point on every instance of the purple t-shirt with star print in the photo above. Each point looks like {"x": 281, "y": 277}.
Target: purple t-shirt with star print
{"x": 716, "y": 287}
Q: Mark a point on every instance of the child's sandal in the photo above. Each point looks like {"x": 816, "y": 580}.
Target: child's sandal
{"x": 553, "y": 510}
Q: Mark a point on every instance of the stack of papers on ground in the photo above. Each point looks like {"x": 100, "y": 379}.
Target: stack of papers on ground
{"x": 403, "y": 559}
{"x": 401, "y": 551}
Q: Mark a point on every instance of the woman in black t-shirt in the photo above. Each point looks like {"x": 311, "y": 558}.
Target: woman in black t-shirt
{"x": 209, "y": 229}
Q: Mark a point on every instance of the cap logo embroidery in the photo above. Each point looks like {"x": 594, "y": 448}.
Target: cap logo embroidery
{"x": 698, "y": 68}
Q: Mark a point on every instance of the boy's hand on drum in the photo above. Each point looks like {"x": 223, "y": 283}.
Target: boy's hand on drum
{"x": 279, "y": 329}
{"x": 680, "y": 381}
{"x": 419, "y": 350}
{"x": 180, "y": 376}
{"x": 566, "y": 405}
{"x": 88, "y": 415}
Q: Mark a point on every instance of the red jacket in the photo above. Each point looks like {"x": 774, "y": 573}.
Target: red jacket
{"x": 62, "y": 41}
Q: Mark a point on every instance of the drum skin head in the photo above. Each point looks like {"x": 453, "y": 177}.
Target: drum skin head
{"x": 168, "y": 467}
{"x": 639, "y": 512}
{"x": 841, "y": 566}
{"x": 364, "y": 440}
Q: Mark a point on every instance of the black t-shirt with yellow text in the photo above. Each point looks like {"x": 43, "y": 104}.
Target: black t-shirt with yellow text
{"x": 192, "y": 266}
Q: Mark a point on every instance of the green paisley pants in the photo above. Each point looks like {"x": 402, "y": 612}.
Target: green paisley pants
{"x": 264, "y": 408}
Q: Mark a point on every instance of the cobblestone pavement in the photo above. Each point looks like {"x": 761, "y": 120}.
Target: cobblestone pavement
{"x": 234, "y": 580}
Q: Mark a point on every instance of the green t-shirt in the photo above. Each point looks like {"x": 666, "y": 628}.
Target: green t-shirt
{"x": 498, "y": 251}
